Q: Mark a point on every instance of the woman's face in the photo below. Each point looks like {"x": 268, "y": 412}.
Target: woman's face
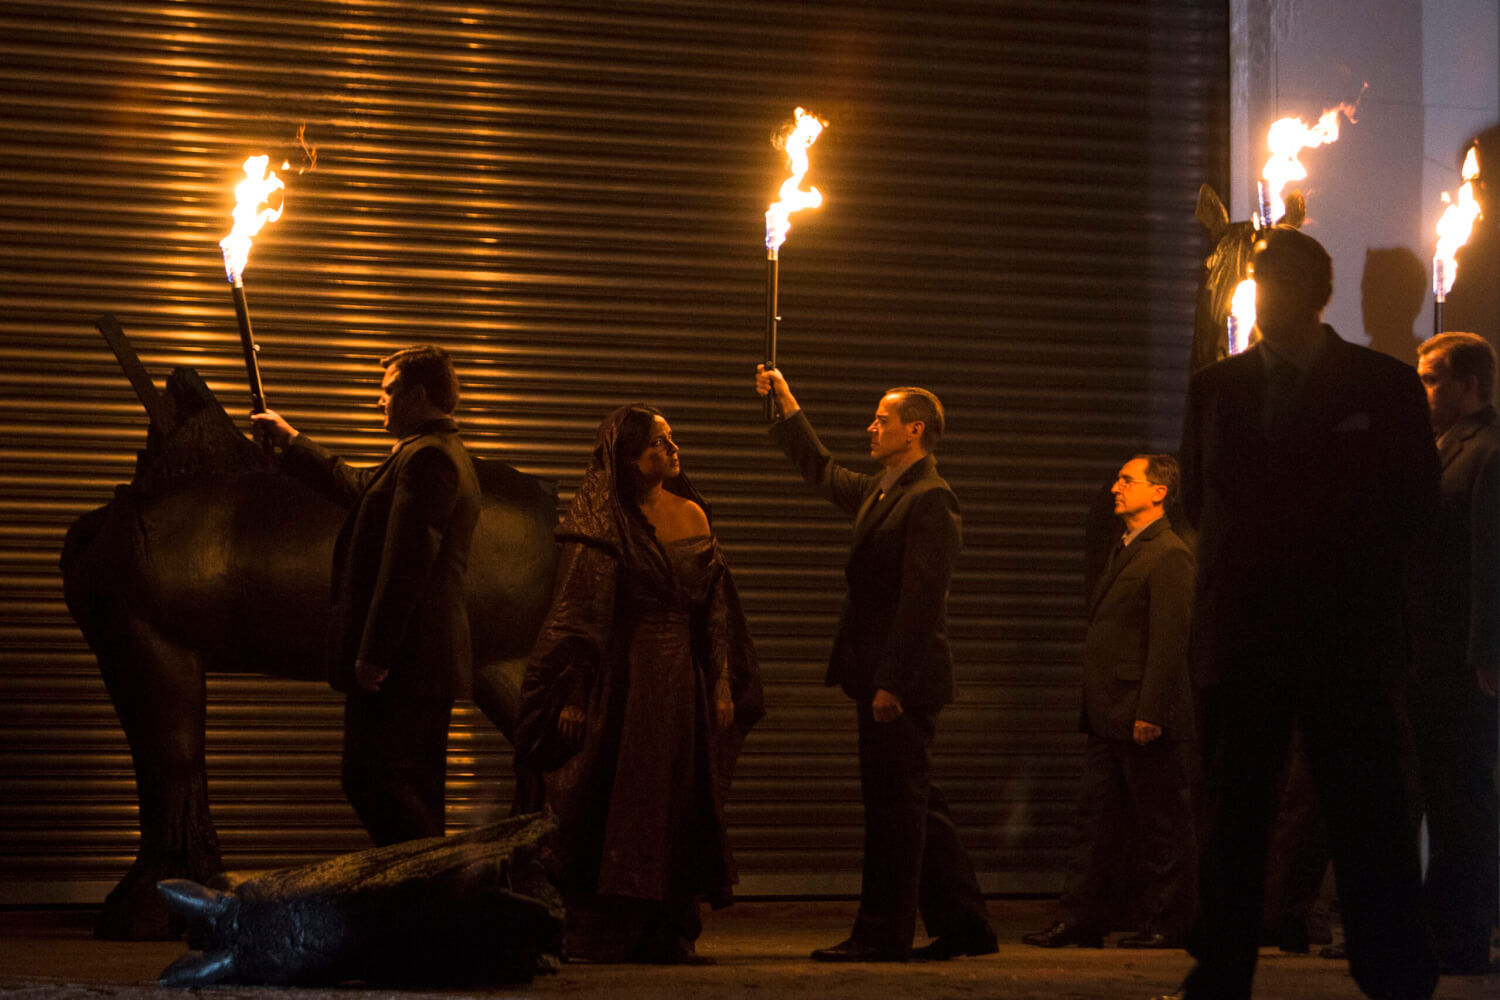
{"x": 658, "y": 462}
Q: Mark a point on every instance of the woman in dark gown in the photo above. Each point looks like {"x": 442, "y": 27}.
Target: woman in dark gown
{"x": 637, "y": 696}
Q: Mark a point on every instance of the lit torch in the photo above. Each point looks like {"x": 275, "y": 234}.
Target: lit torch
{"x": 251, "y": 212}
{"x": 1241, "y": 316}
{"x": 1288, "y": 137}
{"x": 1453, "y": 231}
{"x": 794, "y": 141}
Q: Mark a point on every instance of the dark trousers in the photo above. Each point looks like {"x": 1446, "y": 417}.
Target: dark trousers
{"x": 913, "y": 859}
{"x": 1358, "y": 751}
{"x": 1150, "y": 785}
{"x": 1298, "y": 860}
{"x": 1456, "y": 743}
{"x": 395, "y": 763}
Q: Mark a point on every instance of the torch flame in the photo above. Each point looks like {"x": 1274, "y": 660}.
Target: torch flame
{"x": 249, "y": 216}
{"x": 1454, "y": 227}
{"x": 1288, "y": 137}
{"x": 794, "y": 142}
{"x": 1242, "y": 312}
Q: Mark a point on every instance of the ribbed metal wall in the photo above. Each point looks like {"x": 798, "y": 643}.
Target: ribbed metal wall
{"x": 569, "y": 195}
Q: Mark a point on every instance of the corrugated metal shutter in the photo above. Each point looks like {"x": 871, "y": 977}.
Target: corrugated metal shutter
{"x": 568, "y": 195}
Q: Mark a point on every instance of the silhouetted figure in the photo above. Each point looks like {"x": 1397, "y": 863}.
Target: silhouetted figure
{"x": 1308, "y": 468}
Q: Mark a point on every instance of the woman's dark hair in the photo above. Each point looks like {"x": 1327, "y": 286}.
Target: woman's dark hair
{"x": 630, "y": 444}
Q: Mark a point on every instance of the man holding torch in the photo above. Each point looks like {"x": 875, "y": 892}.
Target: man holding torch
{"x": 891, "y": 656}
{"x": 398, "y": 638}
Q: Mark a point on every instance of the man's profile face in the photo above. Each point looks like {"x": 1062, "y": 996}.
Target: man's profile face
{"x": 1134, "y": 493}
{"x": 1445, "y": 393}
{"x": 891, "y": 441}
{"x": 400, "y": 403}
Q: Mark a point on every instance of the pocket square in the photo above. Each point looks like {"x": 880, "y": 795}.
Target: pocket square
{"x": 1354, "y": 422}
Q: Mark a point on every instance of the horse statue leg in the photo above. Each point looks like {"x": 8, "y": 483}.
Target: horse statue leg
{"x": 159, "y": 694}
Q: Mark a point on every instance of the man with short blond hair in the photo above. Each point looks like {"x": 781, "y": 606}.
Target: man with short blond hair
{"x": 1455, "y": 611}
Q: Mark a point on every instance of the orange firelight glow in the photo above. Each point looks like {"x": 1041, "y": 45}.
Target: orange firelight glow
{"x": 794, "y": 141}
{"x": 1242, "y": 315}
{"x": 1286, "y": 138}
{"x": 1454, "y": 227}
{"x": 251, "y": 212}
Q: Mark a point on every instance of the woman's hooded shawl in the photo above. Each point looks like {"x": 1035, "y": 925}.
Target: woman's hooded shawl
{"x": 598, "y": 518}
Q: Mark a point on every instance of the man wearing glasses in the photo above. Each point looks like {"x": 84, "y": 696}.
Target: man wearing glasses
{"x": 1138, "y": 714}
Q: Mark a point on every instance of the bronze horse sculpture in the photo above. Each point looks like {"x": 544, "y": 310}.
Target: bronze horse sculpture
{"x": 1226, "y": 265}
{"x": 211, "y": 559}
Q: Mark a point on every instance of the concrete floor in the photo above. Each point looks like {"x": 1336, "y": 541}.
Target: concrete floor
{"x": 760, "y": 950}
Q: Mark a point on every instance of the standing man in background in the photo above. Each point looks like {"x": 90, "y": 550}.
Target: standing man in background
{"x": 1138, "y": 714}
{"x": 1456, "y": 631}
{"x": 891, "y": 657}
{"x": 398, "y": 639}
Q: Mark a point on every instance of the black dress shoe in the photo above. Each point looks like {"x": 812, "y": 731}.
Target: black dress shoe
{"x": 1060, "y": 934}
{"x": 854, "y": 951}
{"x": 947, "y": 946}
{"x": 1150, "y": 939}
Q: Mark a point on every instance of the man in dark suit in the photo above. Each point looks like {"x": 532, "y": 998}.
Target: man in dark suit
{"x": 398, "y": 638}
{"x": 1138, "y": 714}
{"x": 1456, "y": 627}
{"x": 1308, "y": 469}
{"x": 891, "y": 657}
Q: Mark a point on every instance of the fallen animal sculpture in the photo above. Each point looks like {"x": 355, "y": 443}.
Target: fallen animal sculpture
{"x": 474, "y": 909}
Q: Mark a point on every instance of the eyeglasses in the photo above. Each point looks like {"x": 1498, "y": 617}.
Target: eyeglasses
{"x": 1128, "y": 481}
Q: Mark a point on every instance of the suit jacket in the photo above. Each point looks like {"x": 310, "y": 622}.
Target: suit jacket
{"x": 1135, "y": 653}
{"x": 892, "y": 633}
{"x": 1304, "y": 526}
{"x": 1456, "y": 574}
{"x": 398, "y": 563}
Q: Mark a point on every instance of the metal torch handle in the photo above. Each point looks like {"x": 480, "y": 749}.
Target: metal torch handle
{"x": 773, "y": 281}
{"x": 252, "y": 360}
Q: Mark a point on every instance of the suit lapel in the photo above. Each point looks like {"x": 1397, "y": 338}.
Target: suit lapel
{"x": 1452, "y": 447}
{"x": 1122, "y": 559}
{"x": 1454, "y": 442}
{"x": 875, "y": 508}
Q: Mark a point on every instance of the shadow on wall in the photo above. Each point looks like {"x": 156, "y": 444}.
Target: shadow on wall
{"x": 1392, "y": 293}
